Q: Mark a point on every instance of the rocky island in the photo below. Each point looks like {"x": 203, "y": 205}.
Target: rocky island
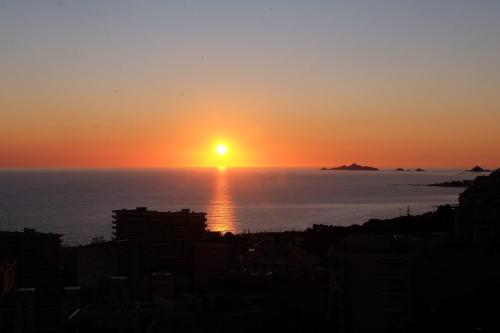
{"x": 352, "y": 167}
{"x": 477, "y": 168}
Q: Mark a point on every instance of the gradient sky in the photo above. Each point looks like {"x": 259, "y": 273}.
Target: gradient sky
{"x": 283, "y": 83}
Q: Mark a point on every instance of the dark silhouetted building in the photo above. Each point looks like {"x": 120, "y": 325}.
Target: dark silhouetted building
{"x": 387, "y": 283}
{"x": 97, "y": 262}
{"x": 168, "y": 237}
{"x": 37, "y": 256}
{"x": 7, "y": 276}
{"x": 375, "y": 282}
{"x": 129, "y": 317}
{"x": 30, "y": 310}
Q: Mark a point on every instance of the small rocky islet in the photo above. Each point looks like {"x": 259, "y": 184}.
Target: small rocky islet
{"x": 477, "y": 168}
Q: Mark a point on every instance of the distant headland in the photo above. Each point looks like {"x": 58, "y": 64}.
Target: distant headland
{"x": 352, "y": 167}
{"x": 455, "y": 183}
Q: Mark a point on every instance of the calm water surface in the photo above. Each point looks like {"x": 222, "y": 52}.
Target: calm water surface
{"x": 78, "y": 203}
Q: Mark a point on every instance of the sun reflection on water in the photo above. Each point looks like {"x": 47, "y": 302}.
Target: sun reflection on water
{"x": 221, "y": 215}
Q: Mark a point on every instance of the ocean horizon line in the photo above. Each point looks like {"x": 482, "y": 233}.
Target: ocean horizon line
{"x": 292, "y": 167}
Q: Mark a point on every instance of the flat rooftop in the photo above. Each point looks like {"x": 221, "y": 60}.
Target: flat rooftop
{"x": 145, "y": 210}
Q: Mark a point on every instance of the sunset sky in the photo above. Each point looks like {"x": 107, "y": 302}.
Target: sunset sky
{"x": 281, "y": 83}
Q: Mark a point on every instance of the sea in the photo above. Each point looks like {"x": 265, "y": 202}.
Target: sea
{"x": 78, "y": 203}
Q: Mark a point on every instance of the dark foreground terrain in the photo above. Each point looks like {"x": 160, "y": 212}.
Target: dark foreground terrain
{"x": 164, "y": 272}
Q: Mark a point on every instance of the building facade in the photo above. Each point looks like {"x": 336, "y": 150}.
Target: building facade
{"x": 168, "y": 237}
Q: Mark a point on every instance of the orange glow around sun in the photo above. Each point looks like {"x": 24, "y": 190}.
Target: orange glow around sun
{"x": 220, "y": 152}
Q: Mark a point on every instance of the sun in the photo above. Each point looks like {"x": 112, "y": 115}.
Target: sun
{"x": 221, "y": 149}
